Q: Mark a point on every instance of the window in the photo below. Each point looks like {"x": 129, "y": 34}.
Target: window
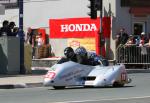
{"x": 9, "y": 3}
{"x": 135, "y": 3}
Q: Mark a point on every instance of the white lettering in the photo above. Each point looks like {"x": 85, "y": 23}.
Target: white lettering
{"x": 64, "y": 28}
{"x": 86, "y": 27}
{"x": 71, "y": 28}
{"x": 78, "y": 27}
{"x": 93, "y": 27}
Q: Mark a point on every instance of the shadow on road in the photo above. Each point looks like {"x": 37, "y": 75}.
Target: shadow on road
{"x": 89, "y": 87}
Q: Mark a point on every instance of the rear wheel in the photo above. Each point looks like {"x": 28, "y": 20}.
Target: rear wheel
{"x": 118, "y": 84}
{"x": 58, "y": 87}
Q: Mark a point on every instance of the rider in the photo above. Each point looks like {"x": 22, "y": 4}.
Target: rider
{"x": 69, "y": 55}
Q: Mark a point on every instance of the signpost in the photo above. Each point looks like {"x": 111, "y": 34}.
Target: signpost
{"x": 21, "y": 35}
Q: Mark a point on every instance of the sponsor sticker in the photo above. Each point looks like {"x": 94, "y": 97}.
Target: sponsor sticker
{"x": 50, "y": 75}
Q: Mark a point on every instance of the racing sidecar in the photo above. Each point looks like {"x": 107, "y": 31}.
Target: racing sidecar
{"x": 74, "y": 74}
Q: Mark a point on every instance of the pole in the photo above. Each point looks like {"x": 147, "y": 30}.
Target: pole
{"x": 101, "y": 29}
{"x": 21, "y": 36}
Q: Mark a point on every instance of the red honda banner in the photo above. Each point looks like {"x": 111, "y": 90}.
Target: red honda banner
{"x": 73, "y": 27}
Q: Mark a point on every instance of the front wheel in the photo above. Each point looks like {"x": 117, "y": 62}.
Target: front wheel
{"x": 58, "y": 87}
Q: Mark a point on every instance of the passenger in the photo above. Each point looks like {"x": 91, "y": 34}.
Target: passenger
{"x": 82, "y": 56}
{"x": 69, "y": 56}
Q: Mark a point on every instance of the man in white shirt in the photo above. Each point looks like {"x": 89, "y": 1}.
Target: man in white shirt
{"x": 39, "y": 40}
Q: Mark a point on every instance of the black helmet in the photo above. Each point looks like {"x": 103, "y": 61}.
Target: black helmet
{"x": 69, "y": 52}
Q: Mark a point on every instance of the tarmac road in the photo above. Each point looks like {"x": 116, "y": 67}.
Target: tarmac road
{"x": 136, "y": 92}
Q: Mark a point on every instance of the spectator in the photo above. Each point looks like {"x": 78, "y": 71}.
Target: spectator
{"x": 33, "y": 43}
{"x": 39, "y": 40}
{"x": 15, "y": 31}
{"x": 11, "y": 29}
{"x": 29, "y": 36}
{"x": 148, "y": 43}
{"x": 122, "y": 37}
{"x": 4, "y": 28}
{"x": 137, "y": 40}
{"x": 143, "y": 39}
{"x": 130, "y": 41}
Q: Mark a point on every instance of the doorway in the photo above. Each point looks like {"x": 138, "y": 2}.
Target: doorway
{"x": 139, "y": 27}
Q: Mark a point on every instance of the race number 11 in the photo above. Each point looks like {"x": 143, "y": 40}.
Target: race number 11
{"x": 123, "y": 76}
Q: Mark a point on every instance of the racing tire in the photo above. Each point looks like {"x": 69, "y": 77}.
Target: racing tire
{"x": 58, "y": 87}
{"x": 117, "y": 84}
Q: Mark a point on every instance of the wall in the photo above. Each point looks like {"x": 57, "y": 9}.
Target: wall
{"x": 38, "y": 12}
{"x": 41, "y": 12}
{"x": 10, "y": 55}
{"x": 120, "y": 18}
{"x": 148, "y": 24}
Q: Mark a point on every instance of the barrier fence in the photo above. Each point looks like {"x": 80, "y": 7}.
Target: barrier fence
{"x": 133, "y": 55}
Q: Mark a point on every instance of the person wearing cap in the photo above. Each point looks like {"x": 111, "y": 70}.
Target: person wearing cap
{"x": 11, "y": 29}
{"x": 4, "y": 28}
{"x": 143, "y": 39}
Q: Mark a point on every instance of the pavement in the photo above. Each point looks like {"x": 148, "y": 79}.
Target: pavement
{"x": 36, "y": 80}
{"x": 21, "y": 81}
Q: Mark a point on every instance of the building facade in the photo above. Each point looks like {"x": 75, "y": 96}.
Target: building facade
{"x": 133, "y": 15}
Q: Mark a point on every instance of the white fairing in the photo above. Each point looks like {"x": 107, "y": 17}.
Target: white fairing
{"x": 106, "y": 76}
{"x": 75, "y": 74}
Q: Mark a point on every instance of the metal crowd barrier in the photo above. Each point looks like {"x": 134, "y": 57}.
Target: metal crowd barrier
{"x": 133, "y": 55}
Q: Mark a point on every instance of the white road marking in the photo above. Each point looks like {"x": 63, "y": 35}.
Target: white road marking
{"x": 103, "y": 100}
